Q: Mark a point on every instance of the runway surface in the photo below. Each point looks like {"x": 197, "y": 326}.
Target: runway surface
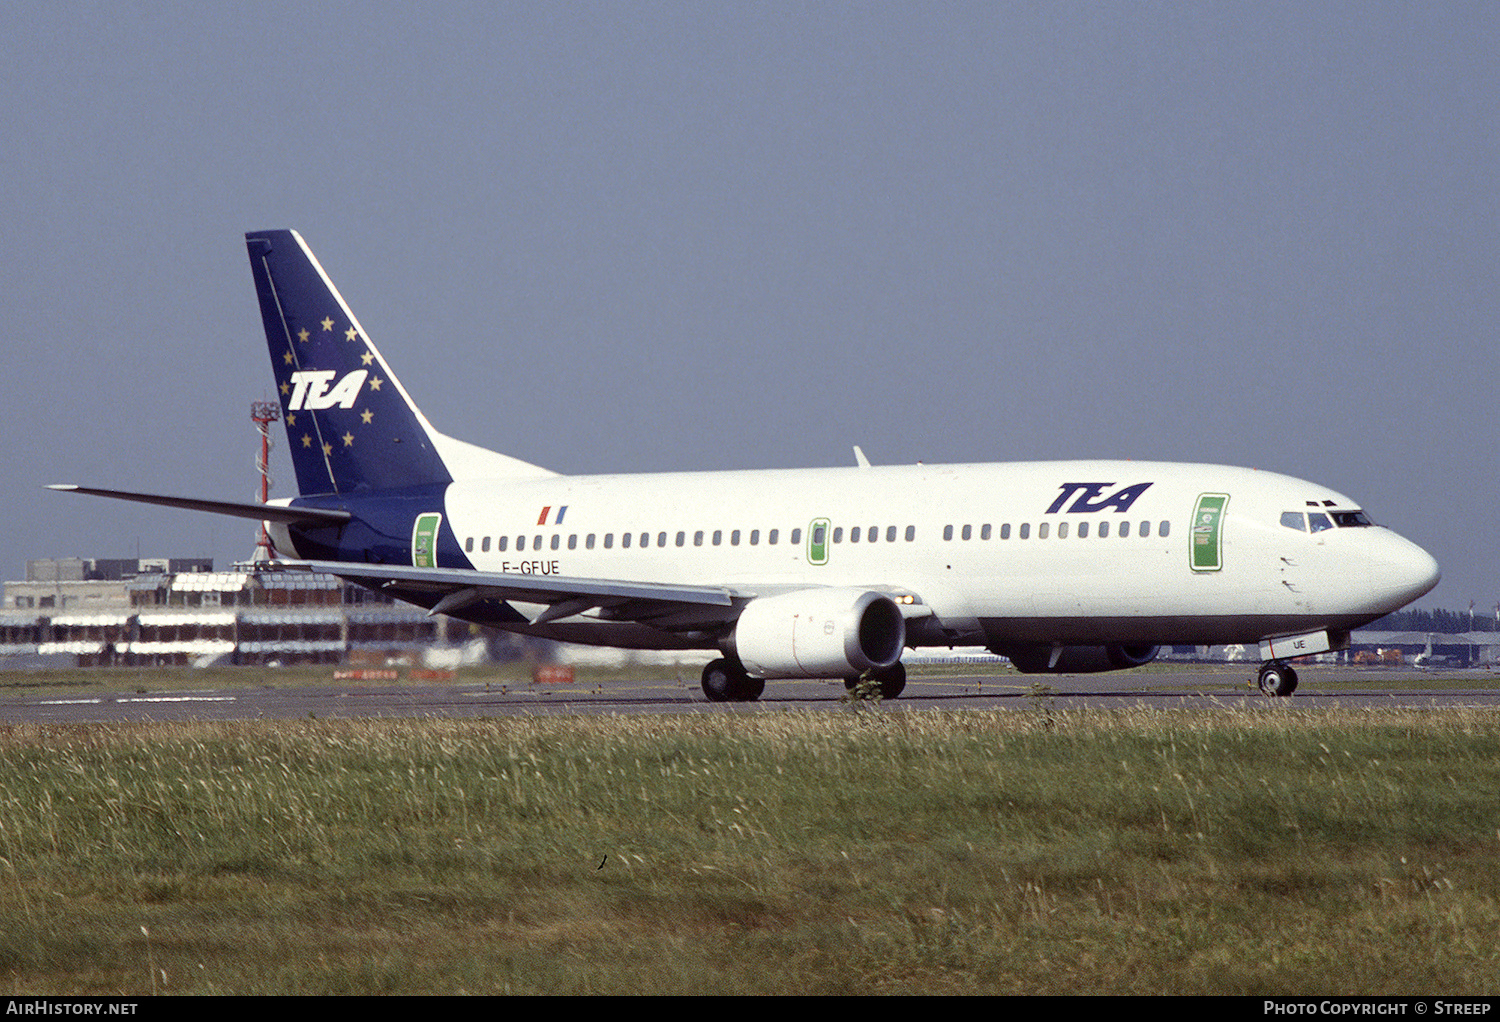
{"x": 1187, "y": 688}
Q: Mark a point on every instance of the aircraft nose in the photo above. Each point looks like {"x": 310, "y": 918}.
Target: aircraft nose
{"x": 1408, "y": 572}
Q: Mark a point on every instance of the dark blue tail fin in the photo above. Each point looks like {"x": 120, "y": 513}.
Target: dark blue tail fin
{"x": 350, "y": 425}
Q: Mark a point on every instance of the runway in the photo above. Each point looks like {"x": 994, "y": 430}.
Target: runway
{"x": 1203, "y": 687}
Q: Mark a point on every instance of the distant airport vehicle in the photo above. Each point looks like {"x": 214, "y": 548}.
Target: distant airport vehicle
{"x": 1063, "y": 567}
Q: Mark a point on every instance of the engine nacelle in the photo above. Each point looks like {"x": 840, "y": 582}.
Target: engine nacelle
{"x": 1036, "y": 658}
{"x": 819, "y": 633}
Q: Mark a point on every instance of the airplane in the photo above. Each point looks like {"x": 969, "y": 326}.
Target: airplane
{"x": 1061, "y": 566}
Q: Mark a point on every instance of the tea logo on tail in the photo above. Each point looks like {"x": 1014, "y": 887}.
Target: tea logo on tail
{"x": 310, "y": 389}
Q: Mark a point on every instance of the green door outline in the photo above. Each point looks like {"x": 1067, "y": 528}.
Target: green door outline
{"x": 1206, "y": 537}
{"x": 817, "y": 541}
{"x": 424, "y": 533}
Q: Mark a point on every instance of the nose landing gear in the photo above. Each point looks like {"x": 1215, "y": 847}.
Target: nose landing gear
{"x": 1277, "y": 679}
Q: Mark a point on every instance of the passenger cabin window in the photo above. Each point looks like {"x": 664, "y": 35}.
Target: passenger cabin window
{"x": 1083, "y": 530}
{"x": 984, "y": 532}
{"x": 796, "y": 536}
{"x": 1025, "y": 531}
{"x": 854, "y": 534}
{"x": 502, "y": 543}
{"x": 1041, "y": 531}
{"x": 772, "y": 536}
{"x": 890, "y": 533}
{"x": 1164, "y": 529}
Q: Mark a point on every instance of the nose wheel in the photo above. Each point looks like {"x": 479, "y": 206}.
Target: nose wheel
{"x": 1277, "y": 679}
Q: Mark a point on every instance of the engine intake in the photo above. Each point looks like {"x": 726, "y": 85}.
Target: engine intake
{"x": 819, "y": 633}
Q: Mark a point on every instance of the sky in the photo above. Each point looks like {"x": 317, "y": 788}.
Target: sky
{"x": 637, "y": 236}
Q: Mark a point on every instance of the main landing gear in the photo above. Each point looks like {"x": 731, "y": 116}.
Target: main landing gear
{"x": 1277, "y": 679}
{"x": 726, "y": 681}
{"x": 892, "y": 680}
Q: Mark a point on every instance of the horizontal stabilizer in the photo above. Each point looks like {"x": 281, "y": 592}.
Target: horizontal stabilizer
{"x": 258, "y": 512}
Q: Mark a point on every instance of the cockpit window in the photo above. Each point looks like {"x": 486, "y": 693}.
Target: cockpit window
{"x": 1319, "y": 520}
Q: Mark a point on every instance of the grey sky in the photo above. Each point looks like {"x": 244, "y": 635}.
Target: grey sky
{"x": 631, "y": 237}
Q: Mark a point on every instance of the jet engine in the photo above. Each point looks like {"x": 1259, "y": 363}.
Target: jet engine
{"x": 1036, "y": 657}
{"x": 818, "y": 633}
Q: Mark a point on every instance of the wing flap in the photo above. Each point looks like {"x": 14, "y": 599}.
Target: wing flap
{"x": 562, "y": 596}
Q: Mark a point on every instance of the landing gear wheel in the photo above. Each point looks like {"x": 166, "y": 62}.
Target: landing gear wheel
{"x": 725, "y": 681}
{"x": 892, "y": 680}
{"x": 1277, "y": 679}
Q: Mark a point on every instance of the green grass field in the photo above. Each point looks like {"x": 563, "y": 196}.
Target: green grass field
{"x": 1274, "y": 849}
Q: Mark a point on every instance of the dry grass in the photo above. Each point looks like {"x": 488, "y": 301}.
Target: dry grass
{"x": 1272, "y": 849}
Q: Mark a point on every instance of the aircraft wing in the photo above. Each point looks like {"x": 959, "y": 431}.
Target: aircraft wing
{"x": 664, "y": 605}
{"x": 668, "y": 606}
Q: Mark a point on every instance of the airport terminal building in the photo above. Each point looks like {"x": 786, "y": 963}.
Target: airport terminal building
{"x": 169, "y": 611}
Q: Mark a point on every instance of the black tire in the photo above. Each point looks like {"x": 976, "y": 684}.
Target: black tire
{"x": 1277, "y": 680}
{"x": 725, "y": 681}
{"x": 892, "y": 680}
{"x": 718, "y": 681}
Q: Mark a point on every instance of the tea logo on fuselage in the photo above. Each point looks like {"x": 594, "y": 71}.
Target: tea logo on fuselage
{"x": 1120, "y": 500}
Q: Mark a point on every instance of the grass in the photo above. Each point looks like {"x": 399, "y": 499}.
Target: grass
{"x": 1272, "y": 849}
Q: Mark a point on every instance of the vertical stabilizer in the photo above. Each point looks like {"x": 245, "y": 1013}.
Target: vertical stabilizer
{"x": 350, "y": 424}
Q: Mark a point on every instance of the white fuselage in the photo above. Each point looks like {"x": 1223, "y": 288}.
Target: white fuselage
{"x": 1070, "y": 552}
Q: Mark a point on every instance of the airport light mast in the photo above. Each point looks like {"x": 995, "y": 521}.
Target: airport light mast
{"x": 263, "y": 413}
